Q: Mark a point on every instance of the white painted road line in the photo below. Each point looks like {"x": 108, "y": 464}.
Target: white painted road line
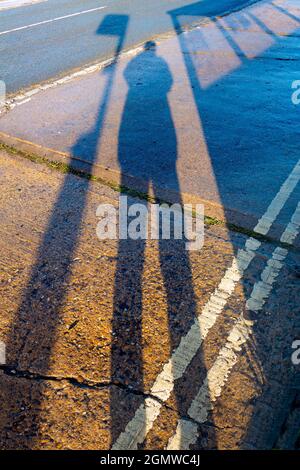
{"x": 264, "y": 224}
{"x": 262, "y": 289}
{"x": 51, "y": 21}
{"x": 187, "y": 432}
{"x": 145, "y": 416}
{"x": 9, "y": 4}
{"x": 292, "y": 230}
{"x": 137, "y": 429}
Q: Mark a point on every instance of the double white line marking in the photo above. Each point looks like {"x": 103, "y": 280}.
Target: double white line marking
{"x": 186, "y": 432}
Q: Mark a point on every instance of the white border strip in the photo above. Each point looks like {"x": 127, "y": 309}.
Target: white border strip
{"x": 25, "y": 97}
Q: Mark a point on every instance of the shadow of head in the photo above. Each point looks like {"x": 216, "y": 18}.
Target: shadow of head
{"x": 150, "y": 46}
{"x": 113, "y": 25}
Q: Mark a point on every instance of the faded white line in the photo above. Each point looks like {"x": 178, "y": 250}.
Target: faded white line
{"x": 10, "y": 4}
{"x": 145, "y": 416}
{"x": 264, "y": 224}
{"x": 137, "y": 429}
{"x": 262, "y": 289}
{"x": 187, "y": 432}
{"x": 21, "y": 28}
{"x": 292, "y": 230}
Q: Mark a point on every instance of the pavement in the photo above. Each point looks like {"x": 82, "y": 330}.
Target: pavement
{"x": 133, "y": 344}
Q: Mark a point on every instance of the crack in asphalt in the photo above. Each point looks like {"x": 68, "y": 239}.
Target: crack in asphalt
{"x": 12, "y": 371}
{"x": 93, "y": 385}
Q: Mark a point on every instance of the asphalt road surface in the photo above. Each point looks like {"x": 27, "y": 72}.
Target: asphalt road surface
{"x": 46, "y": 39}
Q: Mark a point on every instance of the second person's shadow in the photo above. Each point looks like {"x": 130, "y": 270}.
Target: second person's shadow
{"x": 147, "y": 149}
{"x": 147, "y": 137}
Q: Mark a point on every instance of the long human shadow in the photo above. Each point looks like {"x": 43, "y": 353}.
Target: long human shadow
{"x": 33, "y": 335}
{"x": 147, "y": 147}
{"x": 203, "y": 95}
